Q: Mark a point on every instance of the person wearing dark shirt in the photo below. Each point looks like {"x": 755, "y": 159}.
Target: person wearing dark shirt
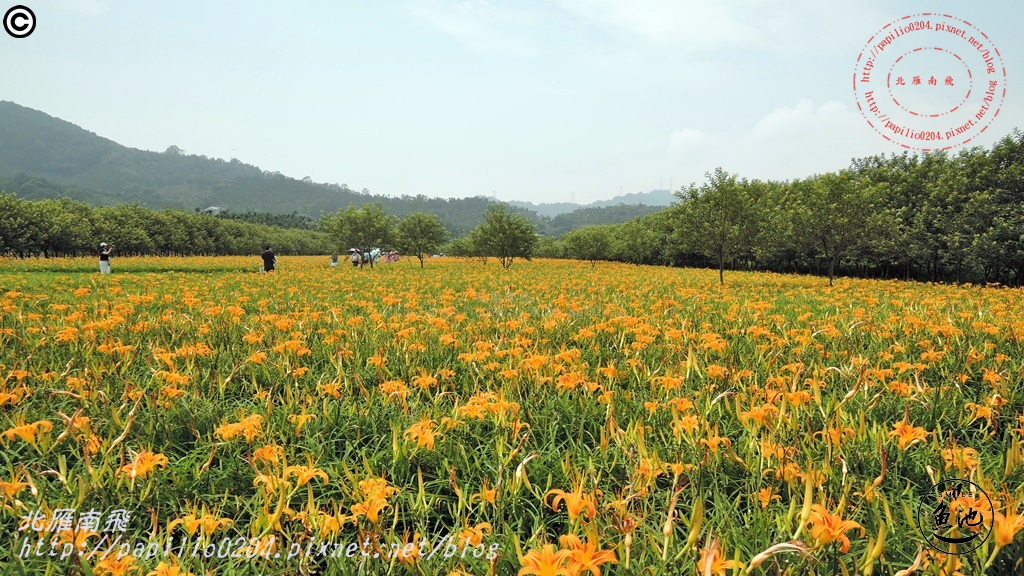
{"x": 269, "y": 260}
{"x": 105, "y": 251}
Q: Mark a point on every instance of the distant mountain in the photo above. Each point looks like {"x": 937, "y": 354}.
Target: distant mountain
{"x": 552, "y": 209}
{"x": 546, "y": 209}
{"x": 652, "y": 198}
{"x": 46, "y": 157}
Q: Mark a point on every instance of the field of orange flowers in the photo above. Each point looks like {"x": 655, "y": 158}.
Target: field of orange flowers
{"x": 551, "y": 419}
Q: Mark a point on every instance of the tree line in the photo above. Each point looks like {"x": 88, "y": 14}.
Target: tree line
{"x": 935, "y": 217}
{"x": 64, "y": 227}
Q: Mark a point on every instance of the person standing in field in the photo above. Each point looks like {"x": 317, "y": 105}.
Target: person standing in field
{"x": 334, "y": 261}
{"x": 105, "y": 251}
{"x": 269, "y": 259}
{"x": 356, "y": 258}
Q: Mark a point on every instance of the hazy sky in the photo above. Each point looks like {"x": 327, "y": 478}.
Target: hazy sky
{"x": 527, "y": 99}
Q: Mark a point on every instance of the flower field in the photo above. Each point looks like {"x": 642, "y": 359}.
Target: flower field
{"x": 551, "y": 419}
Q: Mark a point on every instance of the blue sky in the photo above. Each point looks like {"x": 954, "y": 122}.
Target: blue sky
{"x": 526, "y": 100}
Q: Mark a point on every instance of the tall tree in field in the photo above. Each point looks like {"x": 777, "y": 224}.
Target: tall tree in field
{"x": 718, "y": 219}
{"x": 477, "y": 244}
{"x": 54, "y": 227}
{"x": 363, "y": 228}
{"x": 836, "y": 214}
{"x": 126, "y": 227}
{"x": 1006, "y": 188}
{"x": 421, "y": 233}
{"x": 635, "y": 241}
{"x": 504, "y": 235}
{"x": 774, "y": 245}
{"x": 19, "y": 228}
{"x": 591, "y": 243}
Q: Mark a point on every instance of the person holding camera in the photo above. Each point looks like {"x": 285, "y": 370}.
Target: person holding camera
{"x": 269, "y": 259}
{"x": 105, "y": 251}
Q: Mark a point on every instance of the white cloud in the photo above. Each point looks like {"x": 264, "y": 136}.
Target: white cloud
{"x": 786, "y": 143}
{"x": 479, "y": 25}
{"x": 803, "y": 120}
{"x": 687, "y": 138}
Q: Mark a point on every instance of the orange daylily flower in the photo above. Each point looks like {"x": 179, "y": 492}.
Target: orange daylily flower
{"x": 376, "y": 493}
{"x": 113, "y": 566}
{"x": 1006, "y": 526}
{"x": 305, "y": 473}
{"x": 270, "y": 482}
{"x": 586, "y": 556}
{"x": 827, "y": 528}
{"x": 473, "y": 536}
{"x": 331, "y": 525}
{"x": 144, "y": 463}
{"x": 250, "y": 427}
{"x": 765, "y": 497}
{"x": 78, "y": 539}
{"x": 12, "y": 488}
{"x": 907, "y": 435}
{"x": 422, "y": 433}
{"x": 206, "y": 522}
{"x": 577, "y": 502}
{"x": 300, "y": 420}
{"x": 545, "y": 562}
{"x": 486, "y": 493}
{"x": 271, "y": 454}
{"x": 712, "y": 561}
{"x": 28, "y": 432}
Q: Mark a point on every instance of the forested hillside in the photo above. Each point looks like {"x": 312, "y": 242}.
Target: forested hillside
{"x": 595, "y": 216}
{"x": 44, "y": 157}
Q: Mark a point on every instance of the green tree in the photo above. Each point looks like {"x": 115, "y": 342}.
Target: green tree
{"x": 548, "y": 247}
{"x": 421, "y": 233}
{"x": 17, "y": 225}
{"x": 363, "y": 228}
{"x": 126, "y": 227}
{"x": 460, "y": 248}
{"x": 836, "y": 214}
{"x": 66, "y": 226}
{"x": 773, "y": 246}
{"x": 592, "y": 243}
{"x": 504, "y": 235}
{"x": 635, "y": 241}
{"x": 718, "y": 219}
{"x": 476, "y": 244}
